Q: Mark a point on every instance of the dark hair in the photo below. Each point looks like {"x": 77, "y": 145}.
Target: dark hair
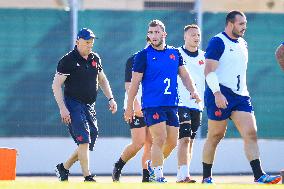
{"x": 232, "y": 15}
{"x": 187, "y": 27}
{"x": 155, "y": 23}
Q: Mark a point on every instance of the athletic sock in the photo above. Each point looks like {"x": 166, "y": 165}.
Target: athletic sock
{"x": 256, "y": 169}
{"x": 145, "y": 176}
{"x": 207, "y": 170}
{"x": 120, "y": 164}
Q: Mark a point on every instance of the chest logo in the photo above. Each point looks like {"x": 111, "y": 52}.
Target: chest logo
{"x": 94, "y": 63}
{"x": 173, "y": 57}
{"x": 200, "y": 62}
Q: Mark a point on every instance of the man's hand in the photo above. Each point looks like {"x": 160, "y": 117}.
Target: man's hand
{"x": 112, "y": 106}
{"x": 128, "y": 115}
{"x": 195, "y": 96}
{"x": 65, "y": 115}
{"x": 220, "y": 100}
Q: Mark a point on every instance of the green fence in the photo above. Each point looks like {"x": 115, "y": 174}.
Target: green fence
{"x": 32, "y": 42}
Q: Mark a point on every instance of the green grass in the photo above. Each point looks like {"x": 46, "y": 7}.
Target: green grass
{"x": 79, "y": 185}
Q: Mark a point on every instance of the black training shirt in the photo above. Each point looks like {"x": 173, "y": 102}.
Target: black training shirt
{"x": 82, "y": 75}
{"x": 128, "y": 69}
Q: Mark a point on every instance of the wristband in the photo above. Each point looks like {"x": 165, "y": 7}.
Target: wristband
{"x": 212, "y": 82}
{"x": 110, "y": 99}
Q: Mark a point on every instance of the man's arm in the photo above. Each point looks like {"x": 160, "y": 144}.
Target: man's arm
{"x": 188, "y": 83}
{"x": 213, "y": 83}
{"x": 137, "y": 105}
{"x": 132, "y": 92}
{"x": 58, "y": 81}
{"x": 104, "y": 85}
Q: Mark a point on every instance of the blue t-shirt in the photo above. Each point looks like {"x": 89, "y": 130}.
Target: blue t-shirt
{"x": 160, "y": 70}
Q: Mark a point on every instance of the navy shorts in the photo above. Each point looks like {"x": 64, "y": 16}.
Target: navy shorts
{"x": 156, "y": 115}
{"x": 190, "y": 115}
{"x": 137, "y": 122}
{"x": 83, "y": 127}
{"x": 235, "y": 103}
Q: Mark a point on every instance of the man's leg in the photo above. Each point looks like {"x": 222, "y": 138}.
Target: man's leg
{"x": 138, "y": 138}
{"x": 83, "y": 156}
{"x": 171, "y": 141}
{"x": 216, "y": 131}
{"x": 146, "y": 155}
{"x": 159, "y": 135}
{"x": 71, "y": 160}
{"x": 246, "y": 125}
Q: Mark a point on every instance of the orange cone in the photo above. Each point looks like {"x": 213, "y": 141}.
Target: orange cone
{"x": 8, "y": 163}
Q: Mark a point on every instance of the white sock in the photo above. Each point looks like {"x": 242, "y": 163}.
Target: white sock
{"x": 183, "y": 172}
{"x": 179, "y": 177}
{"x": 158, "y": 171}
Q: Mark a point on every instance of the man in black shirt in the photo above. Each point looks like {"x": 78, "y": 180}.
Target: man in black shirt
{"x": 81, "y": 72}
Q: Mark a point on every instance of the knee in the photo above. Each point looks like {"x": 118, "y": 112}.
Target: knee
{"x": 250, "y": 136}
{"x": 160, "y": 141}
{"x": 185, "y": 141}
{"x": 216, "y": 137}
{"x": 138, "y": 145}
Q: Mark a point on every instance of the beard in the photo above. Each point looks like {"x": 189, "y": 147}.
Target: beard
{"x": 159, "y": 43}
{"x": 237, "y": 34}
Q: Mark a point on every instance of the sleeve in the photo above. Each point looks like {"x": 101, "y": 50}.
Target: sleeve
{"x": 140, "y": 62}
{"x": 64, "y": 67}
{"x": 215, "y": 49}
{"x": 180, "y": 59}
{"x": 128, "y": 69}
{"x": 99, "y": 62}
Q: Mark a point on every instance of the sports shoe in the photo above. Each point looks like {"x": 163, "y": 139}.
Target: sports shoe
{"x": 61, "y": 172}
{"x": 160, "y": 180}
{"x": 187, "y": 180}
{"x": 208, "y": 180}
{"x": 267, "y": 179}
{"x": 152, "y": 177}
{"x": 89, "y": 178}
{"x": 116, "y": 172}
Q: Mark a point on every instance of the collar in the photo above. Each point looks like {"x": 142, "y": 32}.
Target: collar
{"x": 189, "y": 53}
{"x": 233, "y": 40}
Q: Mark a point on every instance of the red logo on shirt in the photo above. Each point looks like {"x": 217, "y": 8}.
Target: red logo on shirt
{"x": 94, "y": 63}
{"x": 200, "y": 62}
{"x": 156, "y": 116}
{"x": 218, "y": 113}
{"x": 172, "y": 56}
{"x": 79, "y": 138}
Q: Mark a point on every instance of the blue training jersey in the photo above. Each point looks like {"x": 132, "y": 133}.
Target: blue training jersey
{"x": 160, "y": 70}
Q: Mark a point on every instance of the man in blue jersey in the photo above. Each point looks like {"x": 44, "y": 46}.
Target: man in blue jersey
{"x": 226, "y": 96}
{"x": 157, "y": 67}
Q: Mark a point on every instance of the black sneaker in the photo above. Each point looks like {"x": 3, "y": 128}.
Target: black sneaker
{"x": 61, "y": 172}
{"x": 89, "y": 178}
{"x": 116, "y": 174}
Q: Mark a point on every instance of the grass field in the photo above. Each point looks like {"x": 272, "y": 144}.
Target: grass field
{"x": 58, "y": 185}
{"x": 131, "y": 182}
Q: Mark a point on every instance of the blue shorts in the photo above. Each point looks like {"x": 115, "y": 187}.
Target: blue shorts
{"x": 156, "y": 115}
{"x": 235, "y": 103}
{"x": 83, "y": 127}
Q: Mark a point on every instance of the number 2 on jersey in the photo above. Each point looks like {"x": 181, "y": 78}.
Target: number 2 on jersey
{"x": 168, "y": 82}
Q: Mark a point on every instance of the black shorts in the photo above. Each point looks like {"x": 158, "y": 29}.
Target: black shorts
{"x": 137, "y": 122}
{"x": 190, "y": 115}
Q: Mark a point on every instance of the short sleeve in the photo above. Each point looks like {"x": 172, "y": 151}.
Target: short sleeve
{"x": 98, "y": 59}
{"x": 180, "y": 59}
{"x": 215, "y": 49}
{"x": 64, "y": 66}
{"x": 140, "y": 62}
{"x": 128, "y": 69}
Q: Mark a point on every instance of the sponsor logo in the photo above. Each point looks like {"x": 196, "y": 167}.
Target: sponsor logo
{"x": 172, "y": 56}
{"x": 94, "y": 63}
{"x": 156, "y": 116}
{"x": 136, "y": 122}
{"x": 218, "y": 113}
{"x": 200, "y": 62}
{"x": 79, "y": 138}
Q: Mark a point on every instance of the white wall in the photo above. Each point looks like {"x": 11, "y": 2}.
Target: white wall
{"x": 40, "y": 155}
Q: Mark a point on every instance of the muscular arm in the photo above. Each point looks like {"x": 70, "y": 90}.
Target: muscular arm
{"x": 188, "y": 83}
{"x": 104, "y": 85}
{"x": 58, "y": 81}
{"x": 210, "y": 66}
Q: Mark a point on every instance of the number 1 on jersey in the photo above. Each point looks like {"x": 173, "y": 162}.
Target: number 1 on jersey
{"x": 168, "y": 82}
{"x": 238, "y": 85}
